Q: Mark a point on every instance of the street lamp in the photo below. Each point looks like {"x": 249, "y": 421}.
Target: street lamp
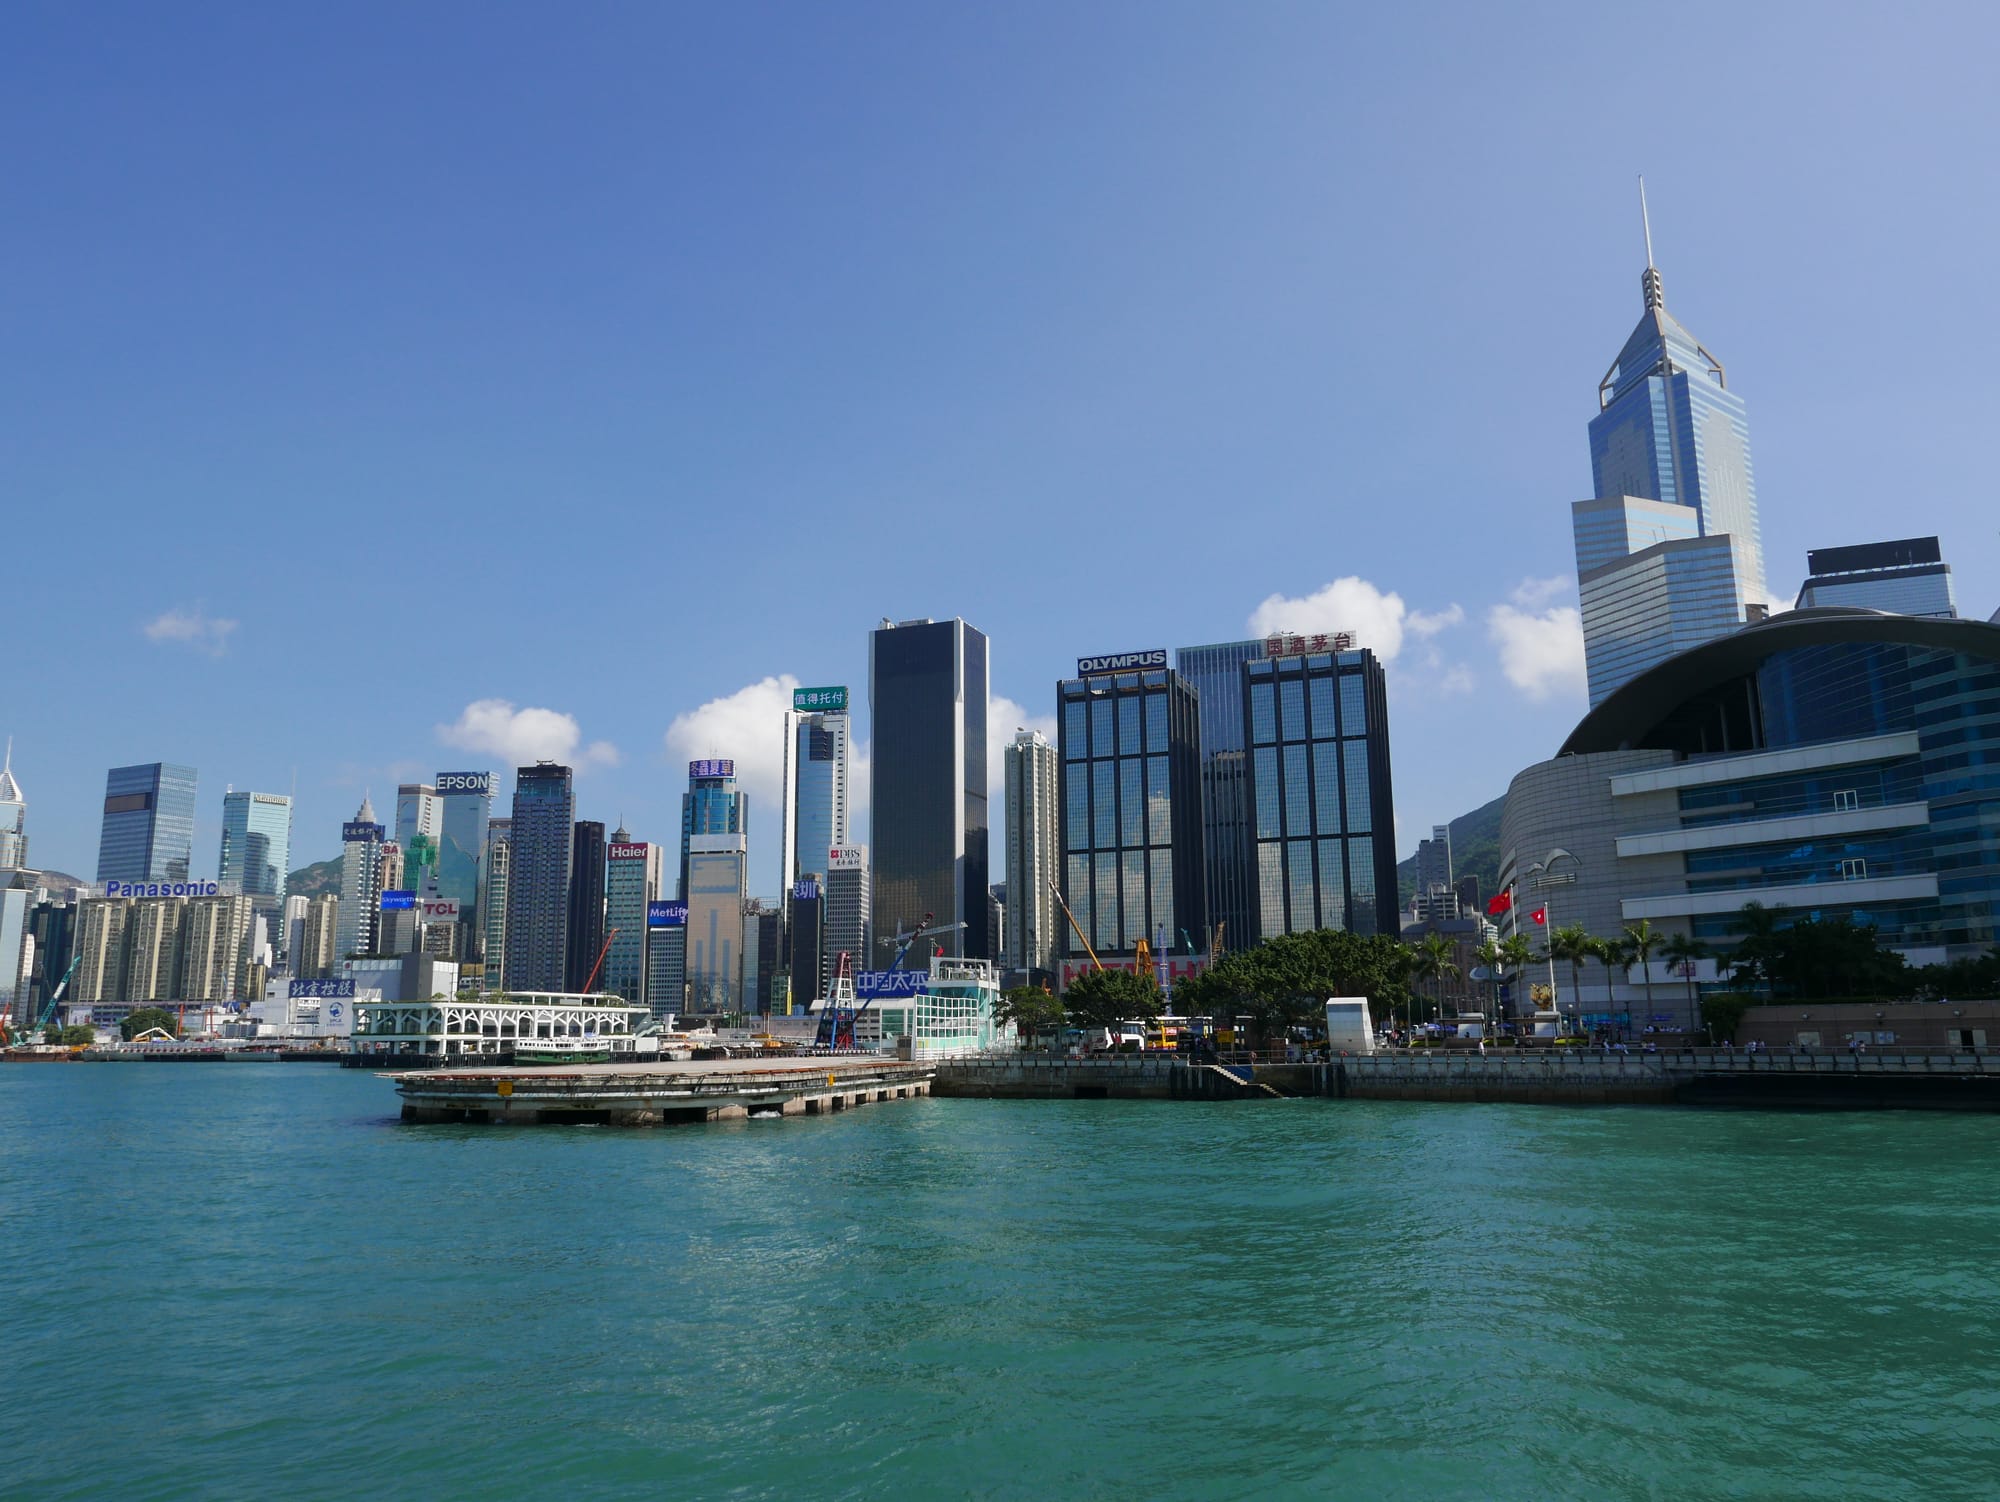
{"x": 1542, "y": 875}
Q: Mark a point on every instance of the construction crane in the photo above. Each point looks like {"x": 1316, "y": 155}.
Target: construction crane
{"x": 838, "y": 1016}
{"x": 600, "y": 960}
{"x": 1082, "y": 938}
{"x": 48, "y": 1010}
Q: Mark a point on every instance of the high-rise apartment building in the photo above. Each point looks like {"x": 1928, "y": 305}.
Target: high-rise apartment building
{"x": 815, "y": 780}
{"x": 52, "y": 931}
{"x": 848, "y": 929}
{"x": 1322, "y": 805}
{"x": 148, "y": 830}
{"x": 291, "y": 927}
{"x": 17, "y": 952}
{"x": 319, "y": 938}
{"x": 153, "y": 949}
{"x": 256, "y": 853}
{"x": 927, "y": 686}
{"x": 102, "y": 932}
{"x": 542, "y": 840}
{"x": 1905, "y": 577}
{"x": 1130, "y": 795}
{"x": 1033, "y": 936}
{"x": 212, "y": 950}
{"x": 714, "y": 895}
{"x": 635, "y": 876}
{"x": 586, "y": 903}
{"x": 13, "y": 817}
{"x": 496, "y": 867}
{"x": 468, "y": 808}
{"x": 1668, "y": 551}
{"x": 360, "y": 882}
{"x": 711, "y": 805}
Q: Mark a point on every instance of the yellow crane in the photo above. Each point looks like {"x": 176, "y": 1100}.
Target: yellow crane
{"x": 1082, "y": 937}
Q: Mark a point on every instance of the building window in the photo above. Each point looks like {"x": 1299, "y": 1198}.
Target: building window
{"x": 1299, "y": 857}
{"x": 1353, "y": 713}
{"x": 1359, "y": 816}
{"x": 1159, "y": 803}
{"x": 1298, "y": 794}
{"x": 1332, "y": 885}
{"x": 1855, "y": 868}
{"x": 1128, "y": 725}
{"x": 1135, "y": 897}
{"x": 1324, "y": 725}
{"x": 1077, "y": 795}
{"x": 1263, "y": 714}
{"x": 1326, "y": 785}
{"x": 1106, "y": 907}
{"x": 1156, "y": 722}
{"x": 1131, "y": 802}
{"x": 1162, "y": 882}
{"x": 1846, "y": 800}
{"x": 1101, "y": 710}
{"x": 1103, "y": 804}
{"x": 1079, "y": 898}
{"x": 1292, "y": 701}
{"x": 1268, "y": 827}
{"x": 1076, "y": 743}
{"x": 1270, "y": 888}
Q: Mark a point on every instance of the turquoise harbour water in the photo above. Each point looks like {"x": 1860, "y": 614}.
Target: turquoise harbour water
{"x": 248, "y": 1281}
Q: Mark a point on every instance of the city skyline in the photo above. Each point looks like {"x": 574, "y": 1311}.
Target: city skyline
{"x": 1203, "y": 316}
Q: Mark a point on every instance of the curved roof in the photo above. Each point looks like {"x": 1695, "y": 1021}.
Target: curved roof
{"x": 1627, "y": 715}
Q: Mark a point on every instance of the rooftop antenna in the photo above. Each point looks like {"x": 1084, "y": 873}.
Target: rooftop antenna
{"x": 1650, "y": 282}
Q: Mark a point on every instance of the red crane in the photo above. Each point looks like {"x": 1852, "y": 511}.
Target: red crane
{"x": 600, "y": 960}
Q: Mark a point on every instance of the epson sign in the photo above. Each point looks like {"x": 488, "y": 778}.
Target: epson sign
{"x": 465, "y": 782}
{"x": 1121, "y": 662}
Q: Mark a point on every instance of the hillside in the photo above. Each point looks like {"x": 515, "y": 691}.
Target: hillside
{"x": 1475, "y": 850}
{"x": 314, "y": 880}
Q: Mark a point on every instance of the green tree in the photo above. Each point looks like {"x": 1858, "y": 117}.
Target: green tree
{"x": 1105, "y": 998}
{"x": 78, "y": 1035}
{"x": 1572, "y": 944}
{"x": 145, "y": 1019}
{"x": 1494, "y": 958}
{"x": 1722, "y": 1012}
{"x": 1517, "y": 954}
{"x": 1754, "y": 959}
{"x": 1033, "y": 1009}
{"x": 1432, "y": 962}
{"x": 1286, "y": 981}
{"x": 1681, "y": 951}
{"x": 1637, "y": 949}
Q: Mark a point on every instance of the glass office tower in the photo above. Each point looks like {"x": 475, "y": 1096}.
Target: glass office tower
{"x": 815, "y": 781}
{"x": 148, "y": 830}
{"x": 1216, "y": 671}
{"x": 256, "y": 853}
{"x": 711, "y": 805}
{"x": 586, "y": 903}
{"x": 1323, "y": 812}
{"x": 467, "y": 800}
{"x": 633, "y": 880}
{"x": 1130, "y": 810}
{"x": 927, "y": 778}
{"x": 540, "y": 843}
{"x": 1905, "y": 577}
{"x": 1668, "y": 551}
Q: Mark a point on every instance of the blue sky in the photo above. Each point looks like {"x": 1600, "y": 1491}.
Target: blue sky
{"x": 371, "y": 369}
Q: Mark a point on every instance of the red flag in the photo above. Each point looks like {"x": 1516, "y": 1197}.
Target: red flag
{"x": 1539, "y": 915}
{"x": 1500, "y": 903}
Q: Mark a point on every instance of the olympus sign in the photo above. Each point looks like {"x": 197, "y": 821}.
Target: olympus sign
{"x": 1121, "y": 662}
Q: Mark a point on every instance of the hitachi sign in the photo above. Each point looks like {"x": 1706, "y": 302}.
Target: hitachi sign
{"x": 1121, "y": 662}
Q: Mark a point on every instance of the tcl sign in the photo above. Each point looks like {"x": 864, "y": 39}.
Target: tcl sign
{"x": 440, "y": 910}
{"x": 847, "y": 858}
{"x": 625, "y": 852}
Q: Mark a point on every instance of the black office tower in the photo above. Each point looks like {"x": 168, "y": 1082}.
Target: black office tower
{"x": 540, "y": 843}
{"x": 586, "y": 903}
{"x": 927, "y": 783}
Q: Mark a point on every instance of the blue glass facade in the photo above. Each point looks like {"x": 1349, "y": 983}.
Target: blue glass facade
{"x": 148, "y": 830}
{"x": 711, "y": 805}
{"x": 1216, "y": 674}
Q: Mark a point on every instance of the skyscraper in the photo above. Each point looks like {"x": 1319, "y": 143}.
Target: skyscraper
{"x": 13, "y": 817}
{"x": 1033, "y": 940}
{"x": 635, "y": 876}
{"x": 148, "y": 831}
{"x": 805, "y": 957}
{"x": 360, "y": 883}
{"x": 1668, "y": 551}
{"x": 257, "y": 851}
{"x": 1434, "y": 860}
{"x": 1130, "y": 798}
{"x": 1323, "y": 811}
{"x": 541, "y": 840}
{"x": 418, "y": 811}
{"x": 715, "y": 893}
{"x": 291, "y": 928}
{"x": 927, "y": 685}
{"x": 319, "y": 938}
{"x": 496, "y": 866}
{"x": 102, "y": 937}
{"x": 666, "y": 957}
{"x": 468, "y": 808}
{"x": 153, "y": 949}
{"x": 848, "y": 929}
{"x": 1905, "y": 577}
{"x": 815, "y": 780}
{"x": 212, "y": 947}
{"x": 711, "y": 805}
{"x": 1216, "y": 671}
{"x": 586, "y": 903}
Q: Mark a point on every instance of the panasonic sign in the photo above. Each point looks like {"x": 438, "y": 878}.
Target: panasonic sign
{"x": 1121, "y": 662}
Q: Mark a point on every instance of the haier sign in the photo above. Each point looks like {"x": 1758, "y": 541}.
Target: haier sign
{"x": 1121, "y": 662}
{"x": 666, "y": 915}
{"x": 889, "y": 982}
{"x": 465, "y": 782}
{"x": 621, "y": 852}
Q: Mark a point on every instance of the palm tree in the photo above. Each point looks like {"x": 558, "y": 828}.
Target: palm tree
{"x": 1680, "y": 952}
{"x": 1494, "y": 958}
{"x": 1432, "y": 955}
{"x": 1572, "y": 945}
{"x": 1640, "y": 942}
{"x": 1757, "y": 947}
{"x": 1517, "y": 954}
{"x": 1610, "y": 953}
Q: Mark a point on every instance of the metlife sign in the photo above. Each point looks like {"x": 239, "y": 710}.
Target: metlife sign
{"x": 889, "y": 982}
{"x": 1121, "y": 662}
{"x": 829, "y": 700}
{"x": 711, "y": 769}
{"x": 465, "y": 782}
{"x": 666, "y": 915}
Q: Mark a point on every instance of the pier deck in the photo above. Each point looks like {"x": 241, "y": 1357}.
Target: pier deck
{"x": 657, "y": 1092}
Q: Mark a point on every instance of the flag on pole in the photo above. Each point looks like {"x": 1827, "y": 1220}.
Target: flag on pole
{"x": 1539, "y": 915}
{"x": 1500, "y": 903}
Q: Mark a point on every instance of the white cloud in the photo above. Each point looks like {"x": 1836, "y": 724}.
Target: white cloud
{"x": 748, "y": 728}
{"x": 1541, "y": 651}
{"x": 520, "y": 737}
{"x": 1003, "y": 718}
{"x": 1536, "y": 594}
{"x": 1378, "y": 619}
{"x": 195, "y": 628}
{"x": 1457, "y": 680}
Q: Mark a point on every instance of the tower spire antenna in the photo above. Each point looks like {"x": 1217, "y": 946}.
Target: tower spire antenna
{"x": 1649, "y": 283}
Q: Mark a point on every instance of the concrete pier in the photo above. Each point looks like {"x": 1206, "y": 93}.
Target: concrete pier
{"x": 660, "y": 1093}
